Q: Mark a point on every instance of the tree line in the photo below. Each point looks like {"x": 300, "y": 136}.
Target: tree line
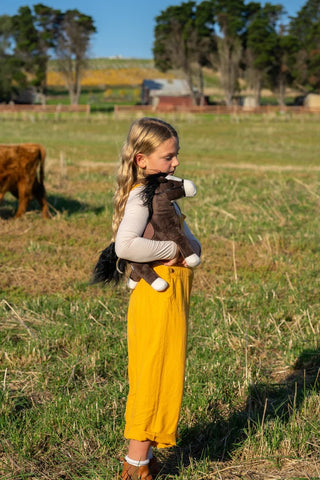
{"x": 239, "y": 40}
{"x": 28, "y": 40}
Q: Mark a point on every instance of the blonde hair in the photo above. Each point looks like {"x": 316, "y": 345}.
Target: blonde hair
{"x": 145, "y": 135}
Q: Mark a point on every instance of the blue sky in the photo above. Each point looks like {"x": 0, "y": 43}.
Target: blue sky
{"x": 124, "y": 27}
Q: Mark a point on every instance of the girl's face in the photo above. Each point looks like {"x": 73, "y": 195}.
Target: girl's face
{"x": 163, "y": 159}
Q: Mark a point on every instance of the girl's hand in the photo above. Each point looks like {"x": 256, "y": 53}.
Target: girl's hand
{"x": 178, "y": 260}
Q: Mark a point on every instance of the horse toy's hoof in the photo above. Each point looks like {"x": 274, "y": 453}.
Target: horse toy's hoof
{"x": 131, "y": 284}
{"x": 159, "y": 285}
{"x": 193, "y": 260}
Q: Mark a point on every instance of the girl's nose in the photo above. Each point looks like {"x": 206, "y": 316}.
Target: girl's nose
{"x": 175, "y": 162}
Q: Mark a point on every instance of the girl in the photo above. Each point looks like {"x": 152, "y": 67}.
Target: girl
{"x": 157, "y": 321}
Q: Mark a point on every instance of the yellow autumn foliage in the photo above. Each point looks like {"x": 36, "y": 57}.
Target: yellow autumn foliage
{"x": 110, "y": 77}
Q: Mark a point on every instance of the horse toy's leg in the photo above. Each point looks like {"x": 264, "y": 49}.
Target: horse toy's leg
{"x": 177, "y": 235}
{"x": 145, "y": 271}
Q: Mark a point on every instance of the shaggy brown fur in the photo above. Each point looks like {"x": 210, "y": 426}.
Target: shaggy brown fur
{"x": 18, "y": 175}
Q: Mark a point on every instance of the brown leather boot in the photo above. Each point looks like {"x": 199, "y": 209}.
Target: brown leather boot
{"x": 130, "y": 472}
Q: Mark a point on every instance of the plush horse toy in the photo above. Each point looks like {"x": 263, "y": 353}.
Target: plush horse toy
{"x": 164, "y": 223}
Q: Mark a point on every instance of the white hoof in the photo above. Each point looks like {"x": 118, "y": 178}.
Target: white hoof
{"x": 159, "y": 285}
{"x": 193, "y": 260}
{"x": 131, "y": 284}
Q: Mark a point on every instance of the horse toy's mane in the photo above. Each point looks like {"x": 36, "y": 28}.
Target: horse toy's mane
{"x": 149, "y": 190}
{"x": 164, "y": 224}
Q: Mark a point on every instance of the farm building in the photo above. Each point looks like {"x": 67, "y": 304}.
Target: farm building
{"x": 163, "y": 93}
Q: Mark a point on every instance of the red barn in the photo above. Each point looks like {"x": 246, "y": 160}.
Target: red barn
{"x": 166, "y": 94}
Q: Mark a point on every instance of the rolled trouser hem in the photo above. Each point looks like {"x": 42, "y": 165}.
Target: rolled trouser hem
{"x": 158, "y": 440}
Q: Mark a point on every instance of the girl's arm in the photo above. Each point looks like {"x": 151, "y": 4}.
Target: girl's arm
{"x": 129, "y": 243}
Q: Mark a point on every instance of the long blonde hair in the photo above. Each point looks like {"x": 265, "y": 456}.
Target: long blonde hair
{"x": 145, "y": 135}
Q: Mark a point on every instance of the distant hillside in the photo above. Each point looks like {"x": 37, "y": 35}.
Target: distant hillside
{"x": 103, "y": 63}
{"x": 109, "y": 74}
{"x": 114, "y": 72}
{"x": 106, "y": 72}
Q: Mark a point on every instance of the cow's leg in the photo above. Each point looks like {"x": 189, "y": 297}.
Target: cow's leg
{"x": 39, "y": 193}
{"x": 23, "y": 199}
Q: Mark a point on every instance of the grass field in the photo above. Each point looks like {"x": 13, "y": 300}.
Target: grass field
{"x": 251, "y": 408}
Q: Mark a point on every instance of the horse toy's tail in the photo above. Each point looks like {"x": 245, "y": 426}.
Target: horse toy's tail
{"x": 109, "y": 267}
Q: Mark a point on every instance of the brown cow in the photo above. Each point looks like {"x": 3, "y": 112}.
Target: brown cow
{"x": 18, "y": 175}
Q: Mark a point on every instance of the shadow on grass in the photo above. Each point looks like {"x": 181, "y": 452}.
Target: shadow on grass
{"x": 218, "y": 439}
{"x": 57, "y": 204}
{"x": 71, "y": 206}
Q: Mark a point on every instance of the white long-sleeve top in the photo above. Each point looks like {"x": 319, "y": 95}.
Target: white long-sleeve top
{"x": 129, "y": 243}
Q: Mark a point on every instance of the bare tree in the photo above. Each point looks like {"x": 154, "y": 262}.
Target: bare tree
{"x": 181, "y": 48}
{"x": 265, "y": 49}
{"x": 72, "y": 48}
{"x": 279, "y": 75}
{"x": 182, "y": 34}
{"x": 230, "y": 15}
{"x": 229, "y": 56}
{"x": 254, "y": 76}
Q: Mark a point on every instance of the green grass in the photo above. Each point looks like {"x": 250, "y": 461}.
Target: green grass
{"x": 251, "y": 407}
{"x": 96, "y": 98}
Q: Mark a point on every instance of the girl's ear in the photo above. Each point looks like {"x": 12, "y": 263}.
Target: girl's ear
{"x": 141, "y": 160}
